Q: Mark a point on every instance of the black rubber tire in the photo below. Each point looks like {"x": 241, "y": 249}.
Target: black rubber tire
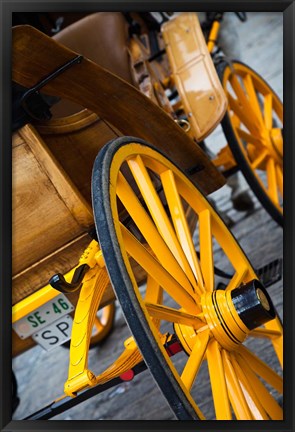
{"x": 238, "y": 155}
{"x": 123, "y": 287}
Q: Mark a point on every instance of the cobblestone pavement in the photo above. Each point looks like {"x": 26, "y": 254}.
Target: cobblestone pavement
{"x": 41, "y": 375}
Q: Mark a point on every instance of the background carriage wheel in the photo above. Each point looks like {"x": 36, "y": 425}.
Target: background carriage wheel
{"x": 141, "y": 204}
{"x": 253, "y": 127}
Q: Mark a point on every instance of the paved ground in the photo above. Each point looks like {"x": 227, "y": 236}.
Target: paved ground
{"x": 259, "y": 235}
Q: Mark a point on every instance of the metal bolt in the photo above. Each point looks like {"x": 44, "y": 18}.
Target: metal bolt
{"x": 262, "y": 298}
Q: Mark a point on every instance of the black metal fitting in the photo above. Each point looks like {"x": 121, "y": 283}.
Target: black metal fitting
{"x": 253, "y": 304}
{"x": 58, "y": 281}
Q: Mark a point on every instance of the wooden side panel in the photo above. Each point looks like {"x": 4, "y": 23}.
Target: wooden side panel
{"x": 197, "y": 82}
{"x": 38, "y": 274}
{"x": 48, "y": 213}
{"x": 41, "y": 221}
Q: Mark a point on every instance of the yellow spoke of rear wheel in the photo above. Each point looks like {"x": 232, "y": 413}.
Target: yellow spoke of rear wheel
{"x": 248, "y": 138}
{"x": 236, "y": 395}
{"x": 158, "y": 213}
{"x": 211, "y": 226}
{"x": 195, "y": 359}
{"x": 259, "y": 160}
{"x": 173, "y": 315}
{"x": 246, "y": 119}
{"x": 150, "y": 232}
{"x": 265, "y": 333}
{"x": 268, "y": 111}
{"x": 262, "y": 369}
{"x": 218, "y": 382}
{"x": 275, "y": 325}
{"x": 268, "y": 402}
{"x": 237, "y": 278}
{"x": 206, "y": 249}
{"x": 181, "y": 225}
{"x": 253, "y": 400}
{"x": 249, "y": 86}
{"x": 272, "y": 180}
{"x": 153, "y": 294}
{"x": 243, "y": 101}
{"x": 161, "y": 275}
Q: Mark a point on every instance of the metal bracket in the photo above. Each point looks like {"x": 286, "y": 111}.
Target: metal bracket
{"x": 34, "y": 91}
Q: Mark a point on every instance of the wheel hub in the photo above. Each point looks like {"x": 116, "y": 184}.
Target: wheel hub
{"x": 230, "y": 315}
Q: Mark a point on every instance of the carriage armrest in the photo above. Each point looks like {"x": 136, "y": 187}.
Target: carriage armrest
{"x": 195, "y": 77}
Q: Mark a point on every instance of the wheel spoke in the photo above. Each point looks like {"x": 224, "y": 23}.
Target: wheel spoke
{"x": 218, "y": 383}
{"x": 272, "y": 180}
{"x": 253, "y": 401}
{"x": 268, "y": 402}
{"x": 163, "y": 277}
{"x": 194, "y": 362}
{"x": 236, "y": 395}
{"x": 161, "y": 312}
{"x": 206, "y": 249}
{"x": 153, "y": 294}
{"x": 262, "y": 369}
{"x": 181, "y": 226}
{"x": 248, "y": 138}
{"x": 258, "y": 161}
{"x": 158, "y": 213}
{"x": 237, "y": 278}
{"x": 150, "y": 232}
{"x": 265, "y": 333}
{"x": 276, "y": 325}
{"x": 248, "y": 83}
{"x": 247, "y": 121}
{"x": 268, "y": 111}
{"x": 246, "y": 106}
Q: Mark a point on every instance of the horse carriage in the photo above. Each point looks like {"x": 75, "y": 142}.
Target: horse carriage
{"x": 109, "y": 206}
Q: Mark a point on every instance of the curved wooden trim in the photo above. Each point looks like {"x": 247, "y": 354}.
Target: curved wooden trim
{"x": 71, "y": 123}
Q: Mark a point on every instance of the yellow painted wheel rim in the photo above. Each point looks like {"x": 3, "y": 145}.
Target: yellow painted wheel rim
{"x": 159, "y": 238}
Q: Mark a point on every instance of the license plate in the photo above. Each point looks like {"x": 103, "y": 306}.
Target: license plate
{"x": 55, "y": 334}
{"x": 40, "y": 318}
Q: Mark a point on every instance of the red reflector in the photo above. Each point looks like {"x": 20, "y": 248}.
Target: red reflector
{"x": 173, "y": 349}
{"x": 127, "y": 376}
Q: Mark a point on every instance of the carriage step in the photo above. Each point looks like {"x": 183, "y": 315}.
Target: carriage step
{"x": 271, "y": 272}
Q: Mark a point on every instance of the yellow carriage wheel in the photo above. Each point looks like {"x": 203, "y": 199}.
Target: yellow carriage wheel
{"x": 185, "y": 328}
{"x": 253, "y": 127}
